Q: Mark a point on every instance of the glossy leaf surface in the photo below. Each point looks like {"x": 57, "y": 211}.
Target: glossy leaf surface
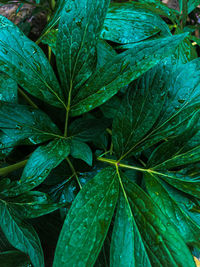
{"x": 97, "y": 199}
{"x": 164, "y": 245}
{"x": 79, "y": 29}
{"x": 26, "y": 63}
{"x": 24, "y": 123}
{"x": 21, "y": 235}
{"x": 127, "y": 247}
{"x": 123, "y": 69}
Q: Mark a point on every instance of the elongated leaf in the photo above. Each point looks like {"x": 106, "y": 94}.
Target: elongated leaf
{"x": 105, "y": 52}
{"x": 181, "y": 102}
{"x": 125, "y": 23}
{"x": 33, "y": 204}
{"x": 139, "y": 110}
{"x": 14, "y": 258}
{"x": 38, "y": 167}
{"x": 127, "y": 247}
{"x": 188, "y": 229}
{"x": 171, "y": 148}
{"x": 188, "y": 157}
{"x": 120, "y": 71}
{"x": 192, "y": 4}
{"x": 87, "y": 129}
{"x": 80, "y": 150}
{"x": 87, "y": 222}
{"x": 26, "y": 63}
{"x": 24, "y": 122}
{"x": 79, "y": 29}
{"x": 54, "y": 19}
{"x": 185, "y": 183}
{"x": 21, "y": 235}
{"x": 164, "y": 245}
{"x": 8, "y": 88}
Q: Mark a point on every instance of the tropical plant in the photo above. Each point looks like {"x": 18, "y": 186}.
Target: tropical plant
{"x": 101, "y": 140}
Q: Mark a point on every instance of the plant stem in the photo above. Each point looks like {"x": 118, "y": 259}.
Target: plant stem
{"x": 13, "y": 167}
{"x": 68, "y": 109}
{"x": 116, "y": 163}
{"x": 74, "y": 172}
{"x": 27, "y": 98}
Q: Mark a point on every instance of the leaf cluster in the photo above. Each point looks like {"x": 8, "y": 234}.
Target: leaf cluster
{"x": 100, "y": 137}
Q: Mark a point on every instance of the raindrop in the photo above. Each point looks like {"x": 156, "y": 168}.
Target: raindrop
{"x": 18, "y": 127}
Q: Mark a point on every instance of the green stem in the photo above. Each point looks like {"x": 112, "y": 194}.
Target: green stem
{"x": 116, "y": 163}
{"x": 74, "y": 172}
{"x": 27, "y": 98}
{"x": 11, "y": 168}
{"x": 68, "y": 109}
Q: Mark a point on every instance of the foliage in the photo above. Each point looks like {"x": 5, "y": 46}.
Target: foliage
{"x": 100, "y": 143}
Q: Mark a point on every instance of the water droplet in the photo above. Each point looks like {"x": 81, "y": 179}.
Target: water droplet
{"x": 18, "y": 127}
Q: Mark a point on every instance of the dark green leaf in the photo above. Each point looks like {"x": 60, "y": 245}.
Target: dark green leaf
{"x": 8, "y": 88}
{"x": 24, "y": 123}
{"x": 139, "y": 110}
{"x": 185, "y": 183}
{"x": 127, "y": 247}
{"x": 21, "y": 235}
{"x": 164, "y": 245}
{"x": 33, "y": 204}
{"x": 79, "y": 29}
{"x": 87, "y": 129}
{"x": 192, "y": 4}
{"x": 88, "y": 220}
{"x": 105, "y": 52}
{"x": 120, "y": 71}
{"x": 26, "y": 63}
{"x": 39, "y": 165}
{"x": 189, "y": 231}
{"x": 80, "y": 150}
{"x": 14, "y": 258}
{"x": 170, "y": 149}
{"x": 125, "y": 23}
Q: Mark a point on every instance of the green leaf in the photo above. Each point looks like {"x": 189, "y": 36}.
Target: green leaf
{"x": 164, "y": 245}
{"x": 8, "y": 88}
{"x": 33, "y": 204}
{"x": 159, "y": 8}
{"x": 188, "y": 230}
{"x": 14, "y": 258}
{"x": 87, "y": 129}
{"x": 127, "y": 247}
{"x": 54, "y": 20}
{"x": 26, "y": 63}
{"x": 139, "y": 110}
{"x": 181, "y": 159}
{"x": 126, "y": 23}
{"x": 21, "y": 235}
{"x": 42, "y": 161}
{"x": 105, "y": 52}
{"x": 192, "y": 4}
{"x": 6, "y": 145}
{"x": 185, "y": 52}
{"x": 80, "y": 150}
{"x": 24, "y": 123}
{"x": 87, "y": 222}
{"x": 171, "y": 148}
{"x": 79, "y": 29}
{"x": 50, "y": 39}
{"x": 183, "y": 182}
{"x": 120, "y": 71}
{"x": 182, "y": 99}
